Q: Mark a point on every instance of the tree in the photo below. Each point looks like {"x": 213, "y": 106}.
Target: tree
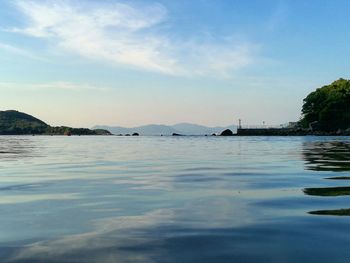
{"x": 328, "y": 106}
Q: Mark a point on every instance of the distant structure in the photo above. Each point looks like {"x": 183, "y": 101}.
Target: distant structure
{"x": 292, "y": 124}
{"x": 291, "y": 128}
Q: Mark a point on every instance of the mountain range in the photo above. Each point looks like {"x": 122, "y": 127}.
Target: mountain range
{"x": 13, "y": 122}
{"x": 159, "y": 129}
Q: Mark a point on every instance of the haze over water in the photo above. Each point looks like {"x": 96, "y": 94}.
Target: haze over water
{"x": 173, "y": 199}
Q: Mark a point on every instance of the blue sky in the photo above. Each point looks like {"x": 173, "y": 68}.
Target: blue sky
{"x": 82, "y": 63}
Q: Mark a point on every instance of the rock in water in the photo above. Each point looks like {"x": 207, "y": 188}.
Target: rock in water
{"x": 135, "y": 134}
{"x": 227, "y": 132}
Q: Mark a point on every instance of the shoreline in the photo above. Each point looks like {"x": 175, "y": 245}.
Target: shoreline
{"x": 210, "y": 136}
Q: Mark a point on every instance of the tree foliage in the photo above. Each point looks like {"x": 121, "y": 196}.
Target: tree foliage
{"x": 328, "y": 106}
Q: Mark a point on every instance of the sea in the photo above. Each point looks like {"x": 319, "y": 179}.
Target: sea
{"x": 174, "y": 199}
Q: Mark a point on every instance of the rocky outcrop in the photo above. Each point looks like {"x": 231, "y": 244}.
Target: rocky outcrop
{"x": 227, "y": 132}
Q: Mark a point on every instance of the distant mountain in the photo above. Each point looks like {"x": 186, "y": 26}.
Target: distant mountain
{"x": 152, "y": 129}
{"x": 18, "y": 123}
{"x": 155, "y": 129}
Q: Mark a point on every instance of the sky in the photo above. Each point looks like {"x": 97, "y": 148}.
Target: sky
{"x": 129, "y": 63}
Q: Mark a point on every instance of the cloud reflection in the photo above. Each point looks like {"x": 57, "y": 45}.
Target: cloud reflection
{"x": 17, "y": 199}
{"x": 103, "y": 244}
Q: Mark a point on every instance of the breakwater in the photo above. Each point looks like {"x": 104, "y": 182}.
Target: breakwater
{"x": 288, "y": 132}
{"x": 270, "y": 132}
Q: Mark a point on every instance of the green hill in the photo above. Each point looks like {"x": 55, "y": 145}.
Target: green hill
{"x": 18, "y": 123}
{"x": 14, "y": 122}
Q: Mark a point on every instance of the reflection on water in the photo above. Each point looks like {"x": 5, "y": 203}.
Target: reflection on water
{"x": 327, "y": 155}
{"x": 16, "y": 147}
{"x": 334, "y": 156}
{"x": 165, "y": 199}
{"x": 339, "y": 178}
{"x": 328, "y": 191}
{"x": 105, "y": 243}
{"x": 337, "y": 212}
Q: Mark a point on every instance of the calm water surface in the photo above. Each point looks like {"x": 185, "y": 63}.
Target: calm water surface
{"x": 174, "y": 199}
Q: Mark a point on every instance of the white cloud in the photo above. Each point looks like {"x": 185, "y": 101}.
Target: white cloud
{"x": 218, "y": 58}
{"x": 126, "y": 34}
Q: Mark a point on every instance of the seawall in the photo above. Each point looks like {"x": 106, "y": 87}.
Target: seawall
{"x": 270, "y": 132}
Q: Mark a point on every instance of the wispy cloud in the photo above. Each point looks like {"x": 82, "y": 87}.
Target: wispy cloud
{"x": 59, "y": 85}
{"x": 19, "y": 51}
{"x": 278, "y": 17}
{"x": 129, "y": 35}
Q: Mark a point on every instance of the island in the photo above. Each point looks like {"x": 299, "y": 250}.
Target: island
{"x": 13, "y": 122}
